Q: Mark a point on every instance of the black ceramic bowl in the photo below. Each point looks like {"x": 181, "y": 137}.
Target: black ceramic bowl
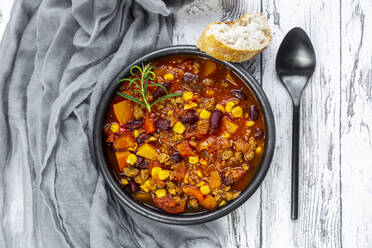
{"x": 186, "y": 218}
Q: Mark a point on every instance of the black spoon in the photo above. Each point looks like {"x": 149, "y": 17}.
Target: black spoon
{"x": 295, "y": 63}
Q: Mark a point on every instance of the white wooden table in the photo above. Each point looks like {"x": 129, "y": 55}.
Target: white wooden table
{"x": 336, "y": 117}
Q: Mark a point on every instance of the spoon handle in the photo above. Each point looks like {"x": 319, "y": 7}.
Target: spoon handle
{"x": 295, "y": 158}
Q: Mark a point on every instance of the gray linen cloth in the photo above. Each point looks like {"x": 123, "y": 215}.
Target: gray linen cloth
{"x": 56, "y": 59}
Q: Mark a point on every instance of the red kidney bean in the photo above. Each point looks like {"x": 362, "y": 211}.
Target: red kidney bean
{"x": 215, "y": 119}
{"x": 135, "y": 124}
{"x": 162, "y": 124}
{"x": 133, "y": 186}
{"x": 159, "y": 92}
{"x": 253, "y": 113}
{"x": 176, "y": 157}
{"x": 141, "y": 163}
{"x": 142, "y": 138}
{"x": 226, "y": 179}
{"x": 189, "y": 118}
{"x": 239, "y": 94}
{"x": 258, "y": 133}
{"x": 167, "y": 85}
{"x": 189, "y": 77}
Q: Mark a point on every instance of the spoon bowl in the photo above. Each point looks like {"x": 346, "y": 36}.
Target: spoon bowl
{"x": 295, "y": 63}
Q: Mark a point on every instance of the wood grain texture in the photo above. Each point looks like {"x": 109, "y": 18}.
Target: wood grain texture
{"x": 319, "y": 214}
{"x": 356, "y": 122}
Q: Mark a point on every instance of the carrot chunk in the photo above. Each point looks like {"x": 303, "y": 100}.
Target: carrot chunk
{"x": 123, "y": 111}
{"x": 121, "y": 157}
{"x": 185, "y": 149}
{"x": 170, "y": 205}
{"x": 209, "y": 67}
{"x": 147, "y": 151}
{"x": 193, "y": 191}
{"x": 149, "y": 124}
{"x": 209, "y": 202}
{"x": 125, "y": 141}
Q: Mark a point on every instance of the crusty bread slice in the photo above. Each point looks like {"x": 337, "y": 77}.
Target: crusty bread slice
{"x": 236, "y": 41}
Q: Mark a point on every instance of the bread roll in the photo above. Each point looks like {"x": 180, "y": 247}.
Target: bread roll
{"x": 236, "y": 41}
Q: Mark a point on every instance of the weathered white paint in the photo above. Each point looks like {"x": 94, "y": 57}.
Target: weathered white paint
{"x": 356, "y": 123}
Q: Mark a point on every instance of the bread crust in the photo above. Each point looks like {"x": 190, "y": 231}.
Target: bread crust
{"x": 219, "y": 50}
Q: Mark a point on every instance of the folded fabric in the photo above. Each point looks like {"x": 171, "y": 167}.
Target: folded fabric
{"x": 57, "y": 58}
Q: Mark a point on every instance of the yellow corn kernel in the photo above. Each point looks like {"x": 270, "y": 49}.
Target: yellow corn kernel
{"x": 186, "y": 178}
{"x": 220, "y": 107}
{"x": 205, "y": 114}
{"x": 200, "y": 174}
{"x": 170, "y": 112}
{"x": 145, "y": 189}
{"x": 152, "y": 139}
{"x": 190, "y": 105}
{"x": 155, "y": 171}
{"x": 229, "y": 106}
{"x": 203, "y": 161}
{"x": 250, "y": 123}
{"x": 146, "y": 186}
{"x": 188, "y": 96}
{"x": 160, "y": 193}
{"x": 114, "y": 127}
{"x": 226, "y": 135}
{"x": 169, "y": 76}
{"x": 223, "y": 202}
{"x": 172, "y": 191}
{"x": 194, "y": 159}
{"x": 136, "y": 133}
{"x": 246, "y": 115}
{"x": 205, "y": 190}
{"x": 133, "y": 148}
{"x": 124, "y": 181}
{"x": 237, "y": 112}
{"x": 259, "y": 150}
{"x": 179, "y": 127}
{"x": 163, "y": 174}
{"x": 200, "y": 183}
{"x": 131, "y": 159}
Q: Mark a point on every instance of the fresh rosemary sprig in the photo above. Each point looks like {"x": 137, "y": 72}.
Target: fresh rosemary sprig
{"x": 142, "y": 84}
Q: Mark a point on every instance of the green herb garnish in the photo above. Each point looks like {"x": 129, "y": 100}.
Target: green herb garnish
{"x": 142, "y": 84}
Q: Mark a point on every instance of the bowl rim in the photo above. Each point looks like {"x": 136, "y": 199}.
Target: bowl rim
{"x": 187, "y": 218}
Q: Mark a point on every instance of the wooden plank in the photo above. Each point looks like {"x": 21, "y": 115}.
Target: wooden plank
{"x": 356, "y": 123}
{"x": 242, "y": 227}
{"x": 319, "y": 221}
